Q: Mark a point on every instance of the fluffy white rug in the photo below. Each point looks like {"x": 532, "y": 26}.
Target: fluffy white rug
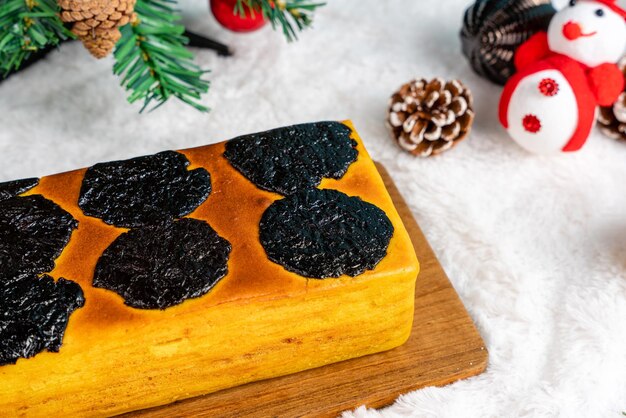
{"x": 535, "y": 246}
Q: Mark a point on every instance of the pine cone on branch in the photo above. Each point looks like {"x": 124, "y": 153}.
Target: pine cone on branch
{"x": 97, "y": 22}
{"x": 429, "y": 117}
{"x": 612, "y": 119}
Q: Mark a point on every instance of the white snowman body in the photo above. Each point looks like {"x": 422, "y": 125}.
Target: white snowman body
{"x": 556, "y": 115}
{"x": 542, "y": 105}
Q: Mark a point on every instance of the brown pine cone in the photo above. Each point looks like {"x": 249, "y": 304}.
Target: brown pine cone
{"x": 102, "y": 45}
{"x": 97, "y": 22}
{"x": 428, "y": 118}
{"x": 612, "y": 120}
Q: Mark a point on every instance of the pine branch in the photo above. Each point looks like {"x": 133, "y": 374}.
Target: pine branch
{"x": 28, "y": 26}
{"x": 153, "y": 61}
{"x": 291, "y": 15}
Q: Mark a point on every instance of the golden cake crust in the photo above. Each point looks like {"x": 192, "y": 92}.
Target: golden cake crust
{"x": 233, "y": 209}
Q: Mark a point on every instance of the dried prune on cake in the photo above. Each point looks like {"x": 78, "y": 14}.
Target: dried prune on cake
{"x": 10, "y": 189}
{"x": 286, "y": 160}
{"x": 34, "y": 312}
{"x": 143, "y": 190}
{"x": 325, "y": 233}
{"x": 33, "y": 232}
{"x": 162, "y": 265}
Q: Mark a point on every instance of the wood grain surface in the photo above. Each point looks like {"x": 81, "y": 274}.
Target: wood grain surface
{"x": 444, "y": 347}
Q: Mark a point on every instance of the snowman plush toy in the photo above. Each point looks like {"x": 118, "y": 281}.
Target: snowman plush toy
{"x": 563, "y": 75}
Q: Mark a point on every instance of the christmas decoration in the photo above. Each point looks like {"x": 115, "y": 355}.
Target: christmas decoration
{"x": 612, "y": 119}
{"x": 564, "y": 74}
{"x": 429, "y": 117}
{"x": 246, "y": 20}
{"x": 149, "y": 43}
{"x": 494, "y": 29}
{"x": 290, "y": 15}
{"x": 96, "y": 22}
{"x": 26, "y": 27}
{"x": 152, "y": 59}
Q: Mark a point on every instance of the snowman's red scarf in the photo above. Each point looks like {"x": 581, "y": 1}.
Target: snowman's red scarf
{"x": 606, "y": 81}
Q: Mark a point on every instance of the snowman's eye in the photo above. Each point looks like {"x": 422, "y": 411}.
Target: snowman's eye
{"x": 572, "y": 3}
{"x": 600, "y": 12}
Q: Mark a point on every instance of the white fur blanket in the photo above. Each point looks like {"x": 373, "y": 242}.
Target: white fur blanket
{"x": 535, "y": 246}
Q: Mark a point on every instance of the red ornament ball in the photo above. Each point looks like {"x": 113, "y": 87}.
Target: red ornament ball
{"x": 225, "y": 14}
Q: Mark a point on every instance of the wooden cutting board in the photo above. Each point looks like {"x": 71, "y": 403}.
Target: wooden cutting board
{"x": 444, "y": 346}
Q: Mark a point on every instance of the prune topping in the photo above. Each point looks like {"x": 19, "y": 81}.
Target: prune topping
{"x": 162, "y": 265}
{"x": 33, "y": 232}
{"x": 34, "y": 312}
{"x": 143, "y": 190}
{"x": 325, "y": 233}
{"x": 13, "y": 188}
{"x": 289, "y": 159}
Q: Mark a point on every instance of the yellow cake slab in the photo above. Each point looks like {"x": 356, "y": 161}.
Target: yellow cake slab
{"x": 259, "y": 321}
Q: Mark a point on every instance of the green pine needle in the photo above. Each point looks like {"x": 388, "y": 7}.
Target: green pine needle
{"x": 290, "y": 15}
{"x": 27, "y": 26}
{"x": 153, "y": 61}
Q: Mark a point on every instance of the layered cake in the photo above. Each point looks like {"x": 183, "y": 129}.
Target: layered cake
{"x": 136, "y": 283}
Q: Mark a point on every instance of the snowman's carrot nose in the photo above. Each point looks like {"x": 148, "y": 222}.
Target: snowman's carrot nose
{"x": 573, "y": 31}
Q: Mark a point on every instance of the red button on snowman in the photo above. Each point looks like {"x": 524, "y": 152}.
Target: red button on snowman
{"x": 550, "y": 104}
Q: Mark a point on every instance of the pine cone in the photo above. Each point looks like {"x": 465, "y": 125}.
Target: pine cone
{"x": 428, "y": 118}
{"x": 102, "y": 45}
{"x": 97, "y": 22}
{"x": 612, "y": 120}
